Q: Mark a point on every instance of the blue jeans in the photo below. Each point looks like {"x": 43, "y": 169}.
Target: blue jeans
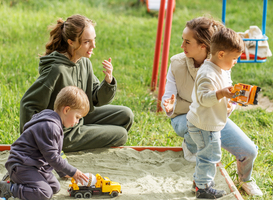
{"x": 208, "y": 154}
{"x": 233, "y": 139}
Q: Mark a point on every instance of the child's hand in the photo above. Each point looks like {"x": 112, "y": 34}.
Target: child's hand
{"x": 79, "y": 177}
{"x": 168, "y": 103}
{"x": 225, "y": 92}
{"x": 107, "y": 65}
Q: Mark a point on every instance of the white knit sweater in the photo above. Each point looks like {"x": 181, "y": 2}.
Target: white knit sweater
{"x": 206, "y": 112}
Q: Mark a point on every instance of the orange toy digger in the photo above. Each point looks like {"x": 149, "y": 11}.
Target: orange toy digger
{"x": 245, "y": 94}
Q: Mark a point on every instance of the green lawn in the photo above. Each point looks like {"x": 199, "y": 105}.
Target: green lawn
{"x": 126, "y": 33}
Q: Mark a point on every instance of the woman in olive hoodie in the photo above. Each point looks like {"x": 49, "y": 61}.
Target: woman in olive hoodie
{"x": 66, "y": 62}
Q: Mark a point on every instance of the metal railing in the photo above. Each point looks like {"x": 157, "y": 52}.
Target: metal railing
{"x": 256, "y": 59}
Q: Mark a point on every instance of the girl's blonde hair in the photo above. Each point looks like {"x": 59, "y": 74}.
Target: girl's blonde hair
{"x": 73, "y": 97}
{"x": 71, "y": 29}
{"x": 204, "y": 28}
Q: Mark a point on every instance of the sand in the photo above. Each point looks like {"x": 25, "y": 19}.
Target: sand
{"x": 143, "y": 175}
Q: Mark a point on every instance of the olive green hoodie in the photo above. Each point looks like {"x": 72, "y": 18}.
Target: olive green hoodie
{"x": 56, "y": 72}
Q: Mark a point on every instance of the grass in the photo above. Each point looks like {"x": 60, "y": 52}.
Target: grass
{"x": 126, "y": 33}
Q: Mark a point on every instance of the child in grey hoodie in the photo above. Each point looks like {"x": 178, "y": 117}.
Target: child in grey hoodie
{"x": 37, "y": 151}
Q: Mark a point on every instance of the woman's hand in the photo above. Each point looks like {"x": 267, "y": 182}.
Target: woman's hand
{"x": 107, "y": 65}
{"x": 169, "y": 103}
{"x": 79, "y": 177}
{"x": 229, "y": 108}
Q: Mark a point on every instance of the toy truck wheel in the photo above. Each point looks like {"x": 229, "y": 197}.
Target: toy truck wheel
{"x": 87, "y": 195}
{"x": 78, "y": 195}
{"x": 114, "y": 194}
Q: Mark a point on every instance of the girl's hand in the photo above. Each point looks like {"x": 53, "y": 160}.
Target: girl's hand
{"x": 79, "y": 177}
{"x": 107, "y": 65}
{"x": 169, "y": 103}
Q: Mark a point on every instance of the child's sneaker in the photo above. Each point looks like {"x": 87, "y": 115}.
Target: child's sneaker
{"x": 209, "y": 193}
{"x": 193, "y": 189}
{"x": 5, "y": 189}
{"x": 6, "y": 177}
{"x": 187, "y": 154}
{"x": 251, "y": 188}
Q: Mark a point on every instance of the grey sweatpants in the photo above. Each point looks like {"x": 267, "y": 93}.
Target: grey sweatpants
{"x": 32, "y": 183}
{"x": 106, "y": 126}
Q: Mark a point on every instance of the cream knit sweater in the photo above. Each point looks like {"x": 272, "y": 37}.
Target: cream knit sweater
{"x": 206, "y": 112}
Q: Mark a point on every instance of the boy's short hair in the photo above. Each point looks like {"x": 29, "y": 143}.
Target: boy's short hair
{"x": 73, "y": 97}
{"x": 226, "y": 39}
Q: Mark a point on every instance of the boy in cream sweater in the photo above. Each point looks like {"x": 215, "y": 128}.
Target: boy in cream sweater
{"x": 209, "y": 109}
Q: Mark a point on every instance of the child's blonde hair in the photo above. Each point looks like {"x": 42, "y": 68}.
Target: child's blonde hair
{"x": 73, "y": 97}
{"x": 226, "y": 39}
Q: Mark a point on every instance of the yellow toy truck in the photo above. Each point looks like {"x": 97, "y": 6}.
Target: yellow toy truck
{"x": 102, "y": 186}
{"x": 245, "y": 94}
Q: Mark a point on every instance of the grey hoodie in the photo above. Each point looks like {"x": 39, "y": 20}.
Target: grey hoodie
{"x": 40, "y": 145}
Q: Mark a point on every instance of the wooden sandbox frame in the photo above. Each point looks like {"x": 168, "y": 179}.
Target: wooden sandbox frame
{"x": 232, "y": 187}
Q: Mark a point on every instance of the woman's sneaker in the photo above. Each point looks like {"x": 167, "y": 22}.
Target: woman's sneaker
{"x": 251, "y": 188}
{"x": 209, "y": 193}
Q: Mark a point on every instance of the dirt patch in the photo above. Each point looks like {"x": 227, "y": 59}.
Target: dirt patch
{"x": 263, "y": 102}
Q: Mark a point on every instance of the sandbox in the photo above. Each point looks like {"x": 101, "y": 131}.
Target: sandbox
{"x": 145, "y": 173}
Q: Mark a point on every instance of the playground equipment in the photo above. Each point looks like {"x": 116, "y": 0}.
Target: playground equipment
{"x": 166, "y": 45}
{"x": 154, "y": 5}
{"x": 253, "y": 58}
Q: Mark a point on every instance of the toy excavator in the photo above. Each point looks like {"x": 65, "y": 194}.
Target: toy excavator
{"x": 245, "y": 94}
{"x": 102, "y": 186}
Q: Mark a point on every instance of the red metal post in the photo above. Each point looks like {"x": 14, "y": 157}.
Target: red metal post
{"x": 165, "y": 52}
{"x": 158, "y": 44}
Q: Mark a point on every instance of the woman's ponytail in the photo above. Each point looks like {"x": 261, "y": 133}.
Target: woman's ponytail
{"x": 57, "y": 41}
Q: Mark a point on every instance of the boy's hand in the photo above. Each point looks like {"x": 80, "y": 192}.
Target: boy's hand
{"x": 168, "y": 103}
{"x": 107, "y": 65}
{"x": 225, "y": 92}
{"x": 79, "y": 176}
